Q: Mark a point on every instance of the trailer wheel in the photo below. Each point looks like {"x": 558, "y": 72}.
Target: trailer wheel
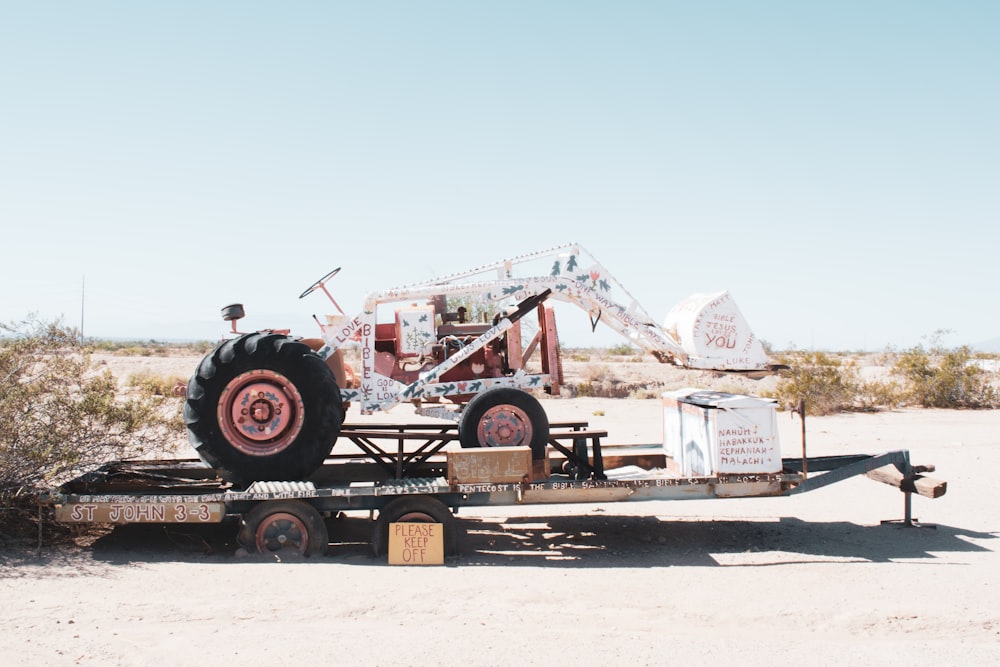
{"x": 415, "y": 509}
{"x": 284, "y": 527}
{"x": 263, "y": 407}
{"x": 505, "y": 417}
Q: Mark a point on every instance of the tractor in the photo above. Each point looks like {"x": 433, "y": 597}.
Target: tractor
{"x": 269, "y": 405}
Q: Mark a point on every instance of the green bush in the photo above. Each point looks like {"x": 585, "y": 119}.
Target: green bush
{"x": 939, "y": 378}
{"x": 878, "y": 394}
{"x": 826, "y": 383}
{"x": 59, "y": 417}
{"x": 934, "y": 378}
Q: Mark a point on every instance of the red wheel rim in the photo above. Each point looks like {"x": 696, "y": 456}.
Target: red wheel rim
{"x": 261, "y": 412}
{"x": 504, "y": 426}
{"x": 282, "y": 531}
{"x": 416, "y": 517}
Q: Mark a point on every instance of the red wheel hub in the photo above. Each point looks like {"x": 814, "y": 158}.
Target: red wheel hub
{"x": 504, "y": 426}
{"x": 261, "y": 412}
{"x": 282, "y": 531}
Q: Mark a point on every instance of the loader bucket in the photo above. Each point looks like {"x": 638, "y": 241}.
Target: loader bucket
{"x": 714, "y": 335}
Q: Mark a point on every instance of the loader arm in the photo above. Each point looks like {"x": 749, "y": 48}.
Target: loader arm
{"x": 705, "y": 331}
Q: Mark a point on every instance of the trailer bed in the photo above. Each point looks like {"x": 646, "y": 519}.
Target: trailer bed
{"x": 401, "y": 460}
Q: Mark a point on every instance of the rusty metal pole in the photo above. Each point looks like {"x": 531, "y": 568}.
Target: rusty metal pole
{"x": 800, "y": 407}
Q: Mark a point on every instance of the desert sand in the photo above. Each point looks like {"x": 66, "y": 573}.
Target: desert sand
{"x": 815, "y": 579}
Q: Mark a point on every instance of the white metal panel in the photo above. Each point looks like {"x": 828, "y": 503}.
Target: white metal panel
{"x": 706, "y": 433}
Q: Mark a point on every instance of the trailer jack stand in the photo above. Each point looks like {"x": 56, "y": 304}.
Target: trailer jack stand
{"x": 908, "y": 521}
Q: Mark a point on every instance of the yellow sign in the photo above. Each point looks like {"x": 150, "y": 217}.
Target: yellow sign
{"x": 416, "y": 544}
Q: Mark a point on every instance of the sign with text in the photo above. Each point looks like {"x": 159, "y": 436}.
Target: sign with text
{"x": 146, "y": 512}
{"x": 416, "y": 544}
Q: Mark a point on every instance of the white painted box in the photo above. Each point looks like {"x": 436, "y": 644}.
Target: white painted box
{"x": 710, "y": 433}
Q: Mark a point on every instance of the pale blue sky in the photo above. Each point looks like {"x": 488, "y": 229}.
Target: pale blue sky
{"x": 835, "y": 165}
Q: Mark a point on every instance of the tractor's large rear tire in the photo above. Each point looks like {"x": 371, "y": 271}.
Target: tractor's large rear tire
{"x": 263, "y": 407}
{"x": 505, "y": 417}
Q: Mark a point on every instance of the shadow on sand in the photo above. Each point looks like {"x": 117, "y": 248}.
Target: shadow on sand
{"x": 582, "y": 541}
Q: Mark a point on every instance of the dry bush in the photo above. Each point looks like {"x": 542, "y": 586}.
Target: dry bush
{"x": 930, "y": 378}
{"x": 598, "y": 381}
{"x": 149, "y": 348}
{"x": 152, "y": 384}
{"x": 578, "y": 355}
{"x": 938, "y": 378}
{"x": 597, "y": 373}
{"x": 59, "y": 417}
{"x": 873, "y": 395}
{"x": 646, "y": 392}
{"x": 826, "y": 383}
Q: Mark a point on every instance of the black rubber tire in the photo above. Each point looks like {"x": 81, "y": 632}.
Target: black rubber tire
{"x": 526, "y": 411}
{"x": 418, "y": 509}
{"x": 283, "y": 528}
{"x": 288, "y": 364}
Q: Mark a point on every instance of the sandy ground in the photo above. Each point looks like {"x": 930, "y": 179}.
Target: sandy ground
{"x": 815, "y": 579}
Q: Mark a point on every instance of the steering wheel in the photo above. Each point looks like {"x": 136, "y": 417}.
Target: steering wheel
{"x": 312, "y": 288}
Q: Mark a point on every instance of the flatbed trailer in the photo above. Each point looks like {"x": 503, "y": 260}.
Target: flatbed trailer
{"x": 406, "y": 473}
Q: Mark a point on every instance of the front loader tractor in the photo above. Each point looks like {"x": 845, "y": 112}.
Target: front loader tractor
{"x": 269, "y": 406}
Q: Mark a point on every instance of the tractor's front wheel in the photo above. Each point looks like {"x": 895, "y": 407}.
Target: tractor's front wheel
{"x": 263, "y": 407}
{"x": 505, "y": 417}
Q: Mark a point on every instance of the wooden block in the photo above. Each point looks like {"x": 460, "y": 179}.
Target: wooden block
{"x": 490, "y": 465}
{"x": 541, "y": 469}
{"x": 924, "y": 486}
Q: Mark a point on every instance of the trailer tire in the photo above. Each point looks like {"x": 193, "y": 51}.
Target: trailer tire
{"x": 284, "y": 527}
{"x": 505, "y": 417}
{"x": 416, "y": 509}
{"x": 263, "y": 407}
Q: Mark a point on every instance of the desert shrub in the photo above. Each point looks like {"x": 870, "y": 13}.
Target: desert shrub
{"x": 598, "y": 381}
{"x": 879, "y": 394}
{"x": 621, "y": 350}
{"x": 939, "y": 378}
{"x": 149, "y": 348}
{"x": 826, "y": 383}
{"x": 603, "y": 389}
{"x": 931, "y": 378}
{"x": 59, "y": 417}
{"x": 151, "y": 384}
{"x": 645, "y": 393}
{"x": 597, "y": 373}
